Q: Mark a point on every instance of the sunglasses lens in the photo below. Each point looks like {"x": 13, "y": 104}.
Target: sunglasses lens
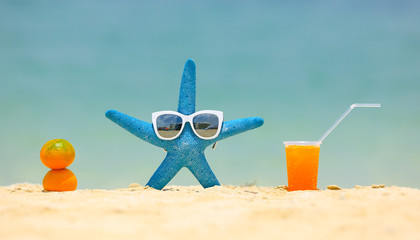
{"x": 206, "y": 125}
{"x": 168, "y": 125}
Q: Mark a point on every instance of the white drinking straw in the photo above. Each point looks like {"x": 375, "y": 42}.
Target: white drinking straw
{"x": 345, "y": 114}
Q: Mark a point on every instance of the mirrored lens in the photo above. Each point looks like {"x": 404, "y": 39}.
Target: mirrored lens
{"x": 206, "y": 125}
{"x": 168, "y": 125}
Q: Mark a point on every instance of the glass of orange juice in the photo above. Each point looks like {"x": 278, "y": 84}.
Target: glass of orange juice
{"x": 302, "y": 164}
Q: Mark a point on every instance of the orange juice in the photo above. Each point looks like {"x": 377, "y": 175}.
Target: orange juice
{"x": 302, "y": 165}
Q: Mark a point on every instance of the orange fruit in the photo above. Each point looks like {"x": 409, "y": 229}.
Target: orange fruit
{"x": 60, "y": 180}
{"x": 57, "y": 154}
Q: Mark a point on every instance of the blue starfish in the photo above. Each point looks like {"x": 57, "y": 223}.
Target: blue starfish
{"x": 187, "y": 150}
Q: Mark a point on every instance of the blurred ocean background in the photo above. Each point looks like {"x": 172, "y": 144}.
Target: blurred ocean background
{"x": 297, "y": 64}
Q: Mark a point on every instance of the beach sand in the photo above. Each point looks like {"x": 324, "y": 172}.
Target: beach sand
{"x": 224, "y": 212}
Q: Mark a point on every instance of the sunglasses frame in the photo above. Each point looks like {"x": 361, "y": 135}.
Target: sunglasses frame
{"x": 185, "y": 119}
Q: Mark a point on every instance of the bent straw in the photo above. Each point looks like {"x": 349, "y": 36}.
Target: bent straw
{"x": 345, "y": 114}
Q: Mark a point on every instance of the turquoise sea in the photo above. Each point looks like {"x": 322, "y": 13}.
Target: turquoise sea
{"x": 297, "y": 64}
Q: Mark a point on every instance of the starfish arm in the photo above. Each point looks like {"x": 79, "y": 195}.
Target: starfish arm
{"x": 142, "y": 130}
{"x": 202, "y": 171}
{"x": 165, "y": 172}
{"x": 186, "y": 104}
{"x": 231, "y": 128}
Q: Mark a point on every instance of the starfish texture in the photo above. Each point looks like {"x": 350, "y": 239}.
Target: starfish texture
{"x": 187, "y": 150}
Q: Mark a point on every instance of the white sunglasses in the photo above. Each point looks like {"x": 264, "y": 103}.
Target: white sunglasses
{"x": 206, "y": 124}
